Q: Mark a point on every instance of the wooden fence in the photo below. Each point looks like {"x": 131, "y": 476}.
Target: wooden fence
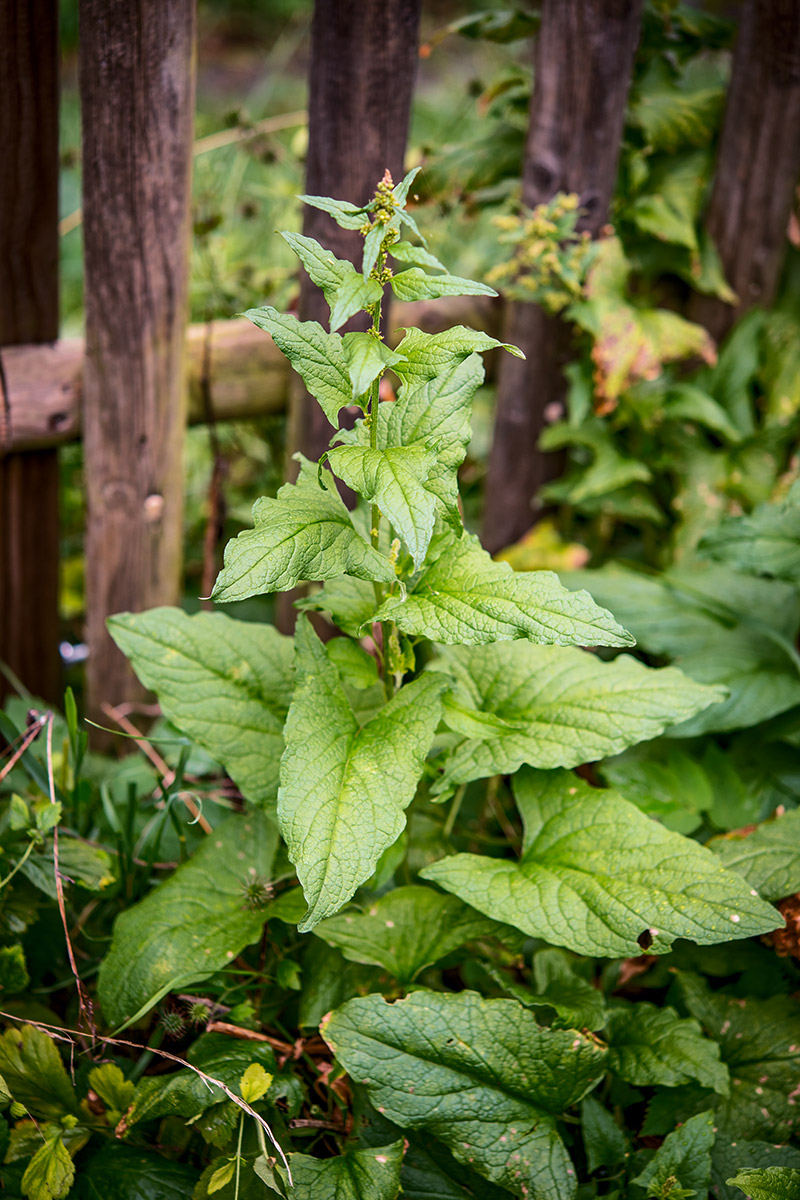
{"x": 125, "y": 388}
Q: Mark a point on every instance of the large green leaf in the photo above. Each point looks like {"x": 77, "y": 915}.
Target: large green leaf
{"x": 344, "y": 288}
{"x": 430, "y": 355}
{"x": 32, "y": 1070}
{"x": 351, "y": 603}
{"x": 766, "y": 543}
{"x": 760, "y": 1043}
{"x": 731, "y": 1155}
{"x": 597, "y": 876}
{"x": 367, "y": 357}
{"x": 772, "y": 1183}
{"x": 394, "y": 479}
{"x": 464, "y": 597}
{"x": 226, "y": 684}
{"x": 414, "y": 284}
{"x": 317, "y": 356}
{"x": 576, "y": 1002}
{"x": 345, "y": 786}
{"x": 431, "y": 1173}
{"x": 407, "y": 930}
{"x": 650, "y": 1046}
{"x": 194, "y": 923}
{"x": 371, "y": 1173}
{"x": 304, "y": 534}
{"x": 768, "y": 857}
{"x": 551, "y": 706}
{"x": 719, "y": 626}
{"x": 120, "y": 1172}
{"x": 480, "y": 1075}
{"x": 684, "y": 1158}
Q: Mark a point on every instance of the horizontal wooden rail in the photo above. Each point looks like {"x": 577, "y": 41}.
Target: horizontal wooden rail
{"x": 249, "y": 377}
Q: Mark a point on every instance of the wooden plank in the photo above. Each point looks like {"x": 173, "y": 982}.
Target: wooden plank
{"x": 249, "y": 377}
{"x": 29, "y": 626}
{"x": 137, "y": 104}
{"x": 758, "y": 163}
{"x": 583, "y": 58}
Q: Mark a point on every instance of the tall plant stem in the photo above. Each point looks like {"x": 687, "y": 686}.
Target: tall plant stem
{"x": 375, "y": 512}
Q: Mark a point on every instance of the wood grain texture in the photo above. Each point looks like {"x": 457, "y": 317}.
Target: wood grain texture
{"x": 137, "y": 100}
{"x": 29, "y": 520}
{"x": 758, "y": 164}
{"x": 361, "y": 80}
{"x": 583, "y": 56}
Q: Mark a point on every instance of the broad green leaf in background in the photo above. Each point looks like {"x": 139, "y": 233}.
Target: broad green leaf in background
{"x": 226, "y": 684}
{"x": 430, "y": 355}
{"x": 684, "y": 1156}
{"x": 430, "y": 1172}
{"x": 50, "y": 1173}
{"x": 773, "y": 1183}
{"x": 394, "y": 479}
{"x": 480, "y": 1075}
{"x": 371, "y": 1173}
{"x": 407, "y": 930}
{"x": 317, "y": 356}
{"x": 663, "y": 781}
{"x": 344, "y": 787}
{"x": 767, "y": 542}
{"x": 650, "y": 1046}
{"x": 367, "y": 357}
{"x": 558, "y": 986}
{"x": 34, "y": 1073}
{"x": 678, "y": 108}
{"x": 768, "y": 857}
{"x": 596, "y": 875}
{"x": 552, "y": 706}
{"x": 306, "y": 533}
{"x": 604, "y": 1140}
{"x": 760, "y": 1043}
{"x": 194, "y": 923}
{"x": 120, "y": 1172}
{"x": 464, "y": 597}
{"x": 414, "y": 284}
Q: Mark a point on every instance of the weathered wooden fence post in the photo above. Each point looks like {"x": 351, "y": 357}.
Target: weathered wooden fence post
{"x": 583, "y": 60}
{"x": 29, "y": 314}
{"x": 361, "y": 81}
{"x": 758, "y": 164}
{"x": 137, "y": 97}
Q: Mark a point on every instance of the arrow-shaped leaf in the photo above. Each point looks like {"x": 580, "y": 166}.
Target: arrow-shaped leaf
{"x": 597, "y": 875}
{"x": 317, "y": 356}
{"x": 464, "y": 597}
{"x": 345, "y": 786}
{"x": 304, "y": 534}
{"x": 480, "y": 1075}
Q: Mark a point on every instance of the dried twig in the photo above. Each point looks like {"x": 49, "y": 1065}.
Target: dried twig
{"x": 25, "y": 739}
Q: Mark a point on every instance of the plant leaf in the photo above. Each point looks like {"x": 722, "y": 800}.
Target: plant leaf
{"x": 772, "y": 1183}
{"x": 351, "y": 603}
{"x": 767, "y": 542}
{"x": 226, "y": 684}
{"x": 304, "y": 534}
{"x": 406, "y": 252}
{"x": 604, "y": 1140}
{"x": 50, "y": 1173}
{"x": 596, "y": 874}
{"x": 371, "y": 1173}
{"x": 650, "y": 1046}
{"x": 121, "y": 1172}
{"x": 405, "y": 931}
{"x": 552, "y": 706}
{"x": 768, "y": 857}
{"x": 345, "y": 786}
{"x": 414, "y": 284}
{"x": 344, "y": 214}
{"x": 367, "y": 357}
{"x": 317, "y": 356}
{"x": 684, "y": 1156}
{"x": 394, "y": 479}
{"x": 464, "y": 597}
{"x": 33, "y": 1072}
{"x": 760, "y": 1042}
{"x": 429, "y": 355}
{"x": 193, "y": 924}
{"x": 353, "y": 294}
{"x": 478, "y": 1074}
{"x": 577, "y": 1003}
